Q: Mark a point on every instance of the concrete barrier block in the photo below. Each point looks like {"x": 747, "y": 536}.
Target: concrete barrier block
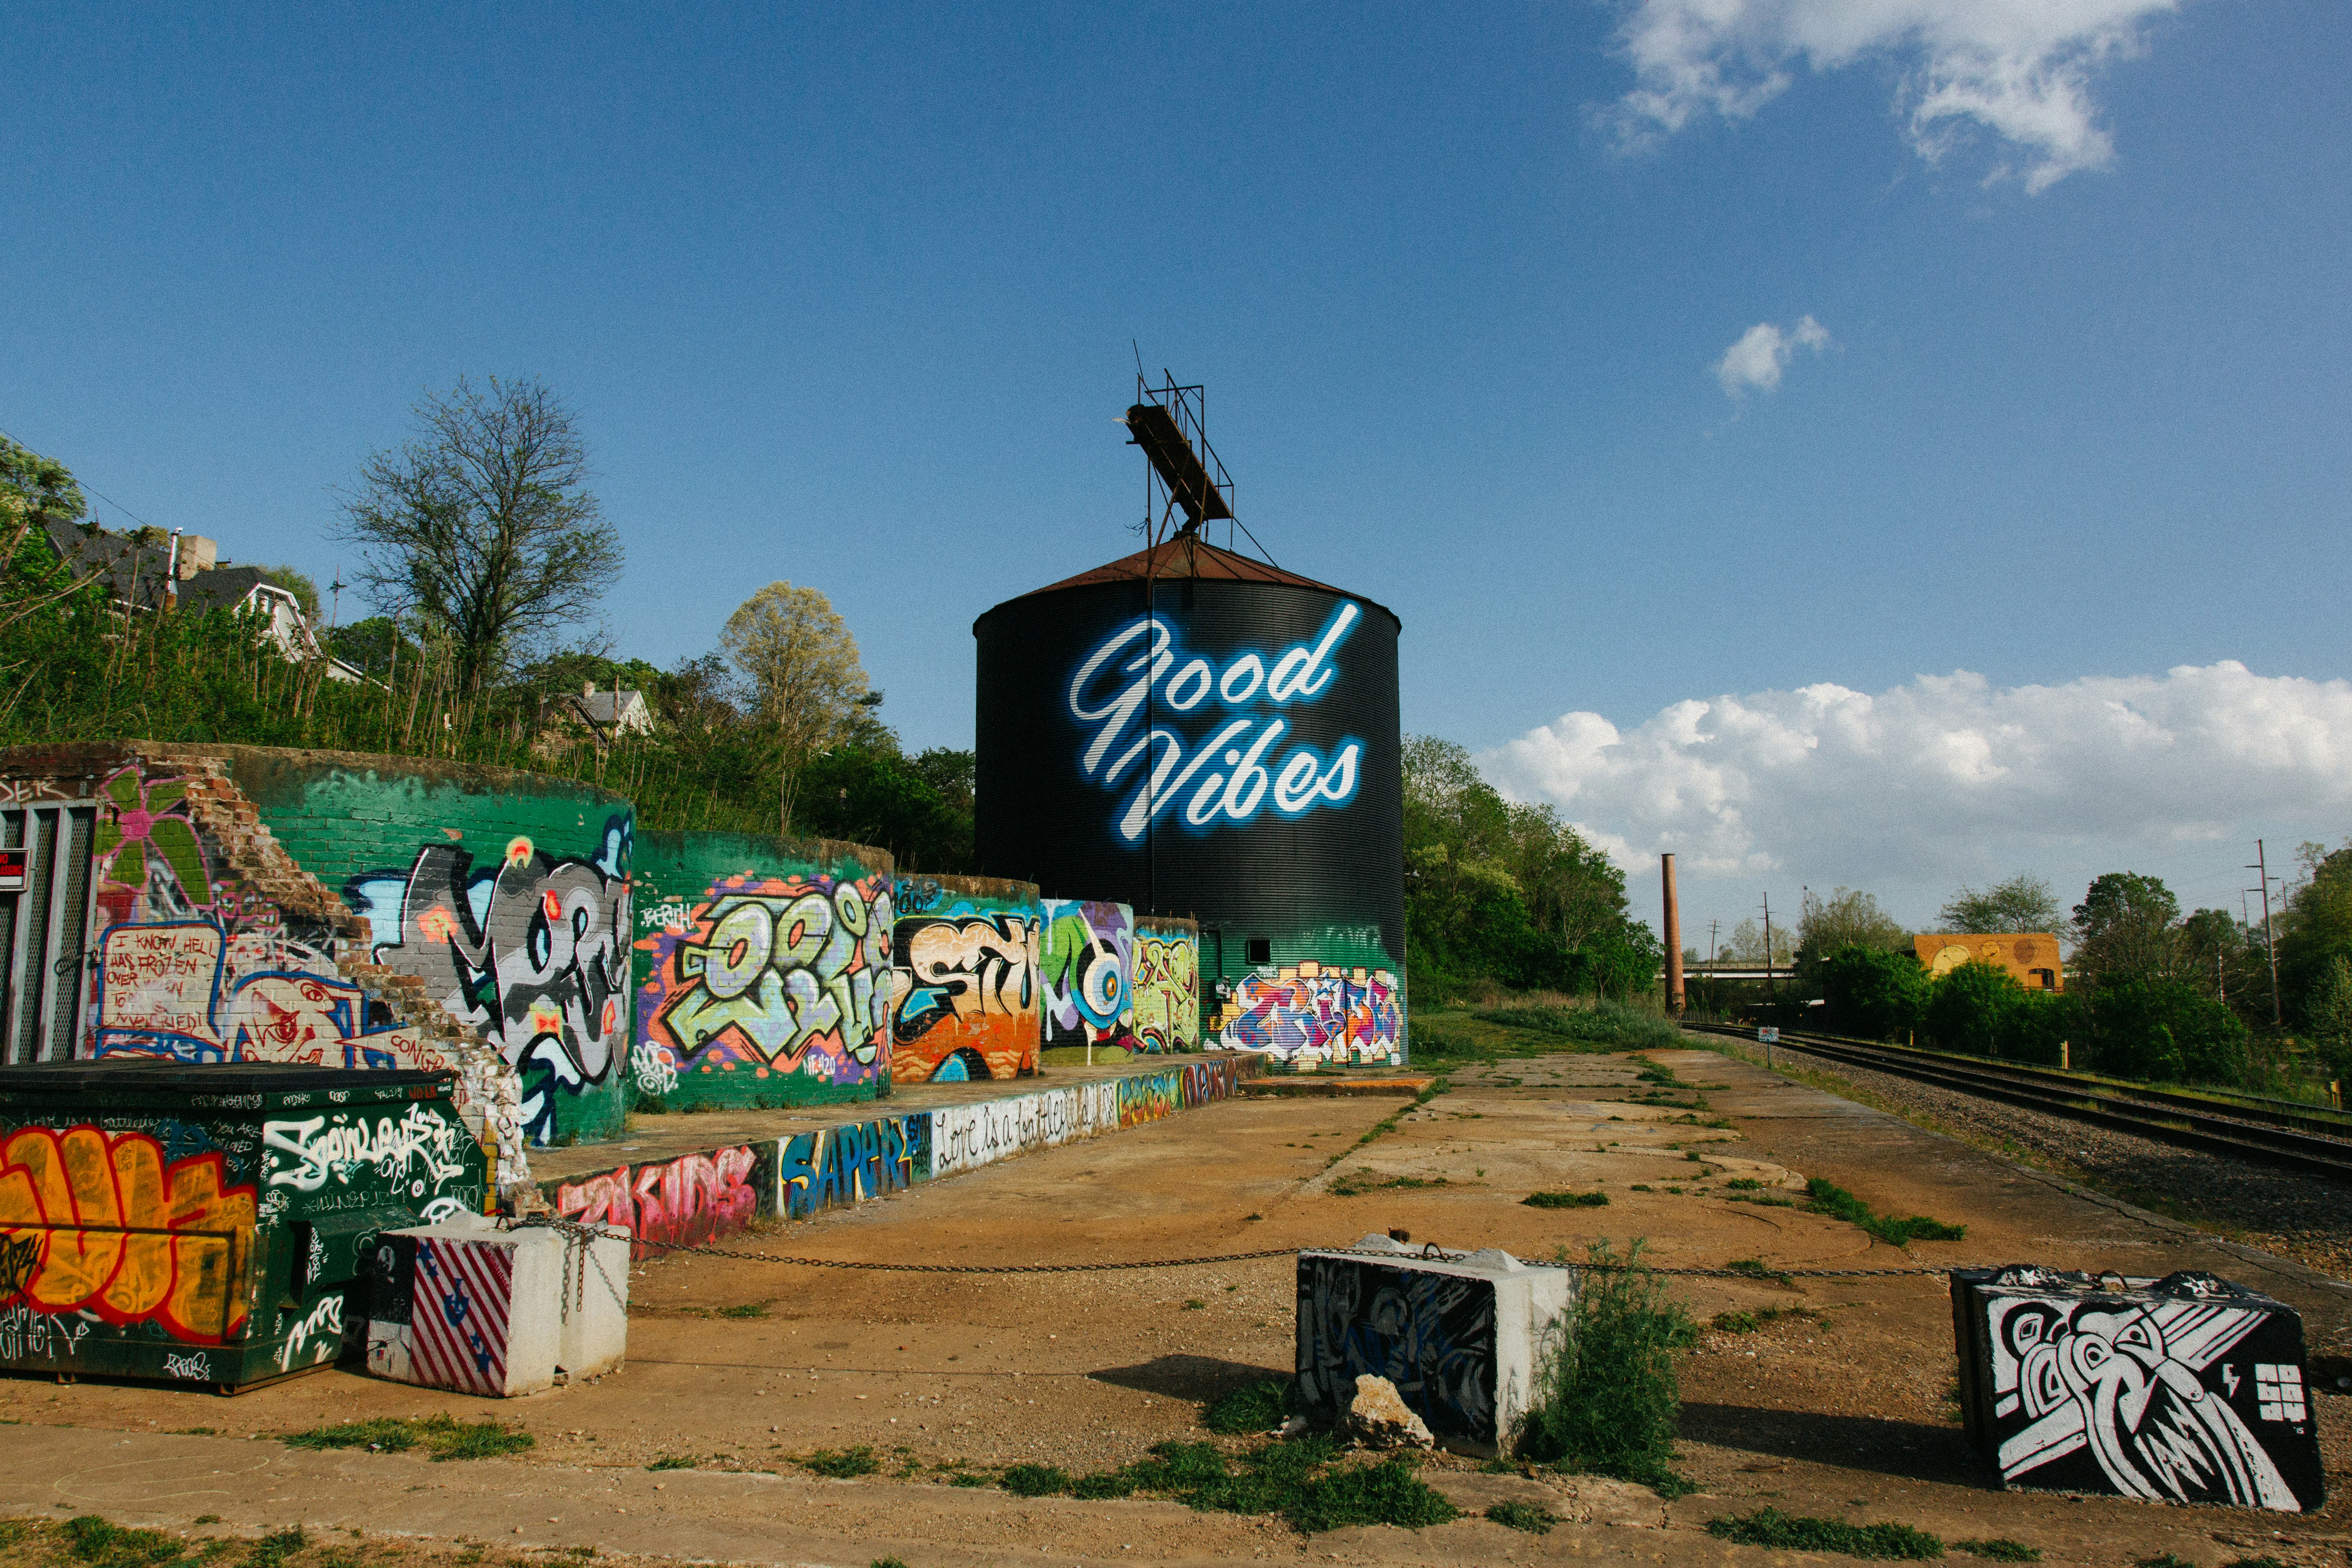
{"x": 470, "y": 1310}
{"x": 2184, "y": 1389}
{"x": 595, "y": 1302}
{"x": 1462, "y": 1336}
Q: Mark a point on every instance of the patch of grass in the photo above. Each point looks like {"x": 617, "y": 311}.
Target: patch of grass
{"x": 1108, "y": 1484}
{"x": 90, "y": 1539}
{"x": 1390, "y": 1122}
{"x": 888, "y": 1563}
{"x": 842, "y": 1464}
{"x": 207, "y": 1518}
{"x": 1754, "y": 1268}
{"x": 1196, "y": 1305}
{"x": 1600, "y": 1025}
{"x": 675, "y": 1462}
{"x": 1566, "y": 1200}
{"x": 1761, "y": 1200}
{"x": 1641, "y": 1187}
{"x": 443, "y": 1436}
{"x": 1300, "y": 1481}
{"x": 1253, "y": 1407}
{"x": 2166, "y": 1560}
{"x": 1802, "y": 1532}
{"x": 1743, "y": 1183}
{"x": 1748, "y": 1322}
{"x": 1035, "y": 1480}
{"x": 1608, "y": 1394}
{"x": 747, "y": 1309}
{"x": 272, "y": 1550}
{"x": 2000, "y": 1548}
{"x": 1827, "y": 1197}
{"x": 1533, "y": 1518}
{"x": 1359, "y": 1181}
{"x": 1387, "y": 1493}
{"x": 195, "y": 1432}
{"x": 965, "y": 1478}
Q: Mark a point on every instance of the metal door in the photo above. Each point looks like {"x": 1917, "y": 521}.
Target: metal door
{"x": 45, "y": 887}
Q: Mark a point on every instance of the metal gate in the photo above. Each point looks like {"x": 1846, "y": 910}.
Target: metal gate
{"x": 44, "y": 928}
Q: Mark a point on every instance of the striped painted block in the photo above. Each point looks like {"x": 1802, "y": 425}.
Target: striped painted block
{"x": 469, "y": 1309}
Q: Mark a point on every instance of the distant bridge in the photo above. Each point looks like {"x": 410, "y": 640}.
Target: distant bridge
{"x": 1732, "y": 972}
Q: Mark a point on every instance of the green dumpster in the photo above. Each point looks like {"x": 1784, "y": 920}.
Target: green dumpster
{"x": 206, "y": 1224}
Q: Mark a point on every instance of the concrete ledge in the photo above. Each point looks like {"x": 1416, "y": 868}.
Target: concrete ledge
{"x": 709, "y": 1176}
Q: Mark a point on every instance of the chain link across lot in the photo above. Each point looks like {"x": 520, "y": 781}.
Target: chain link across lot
{"x": 1431, "y": 1252}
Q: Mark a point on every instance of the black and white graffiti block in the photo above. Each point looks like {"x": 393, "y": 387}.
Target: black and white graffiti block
{"x": 2183, "y": 1389}
{"x": 1462, "y": 1336}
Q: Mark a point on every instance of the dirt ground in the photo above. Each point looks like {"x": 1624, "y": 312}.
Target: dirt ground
{"x": 736, "y": 1367}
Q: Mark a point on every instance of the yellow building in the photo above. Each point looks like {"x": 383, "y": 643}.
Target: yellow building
{"x": 2031, "y": 956}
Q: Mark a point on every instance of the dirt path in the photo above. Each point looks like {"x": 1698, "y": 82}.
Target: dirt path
{"x": 1839, "y": 1412}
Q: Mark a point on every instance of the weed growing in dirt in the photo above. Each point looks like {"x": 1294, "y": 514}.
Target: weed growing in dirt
{"x": 1298, "y": 1480}
{"x": 1196, "y": 1305}
{"x": 888, "y": 1563}
{"x": 1802, "y": 1532}
{"x": 1608, "y": 1394}
{"x": 675, "y": 1462}
{"x": 1389, "y": 1124}
{"x": 1755, "y": 1268}
{"x": 2000, "y": 1548}
{"x": 963, "y": 1478}
{"x": 1533, "y": 1518}
{"x": 443, "y": 1436}
{"x": 195, "y": 1432}
{"x": 842, "y": 1464}
{"x": 1748, "y": 1322}
{"x": 1566, "y": 1200}
{"x": 1829, "y": 1198}
{"x": 747, "y": 1309}
{"x": 1035, "y": 1480}
{"x": 2166, "y": 1560}
{"x": 272, "y": 1550}
{"x": 1253, "y": 1408}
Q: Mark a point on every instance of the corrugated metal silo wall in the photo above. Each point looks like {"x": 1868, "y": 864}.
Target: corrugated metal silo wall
{"x": 1267, "y": 855}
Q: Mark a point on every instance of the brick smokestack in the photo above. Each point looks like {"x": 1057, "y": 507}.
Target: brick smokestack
{"x": 1674, "y": 937}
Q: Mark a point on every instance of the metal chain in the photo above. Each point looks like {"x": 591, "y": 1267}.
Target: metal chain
{"x": 1765, "y": 1273}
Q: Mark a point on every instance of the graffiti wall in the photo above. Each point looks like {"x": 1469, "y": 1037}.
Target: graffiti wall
{"x": 505, "y": 893}
{"x": 211, "y": 943}
{"x": 1307, "y": 1015}
{"x": 1167, "y": 984}
{"x": 683, "y": 1202}
{"x": 851, "y": 1165}
{"x": 967, "y": 994}
{"x": 763, "y": 970}
{"x": 1086, "y": 965}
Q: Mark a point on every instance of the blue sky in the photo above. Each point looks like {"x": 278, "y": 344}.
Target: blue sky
{"x": 845, "y": 296}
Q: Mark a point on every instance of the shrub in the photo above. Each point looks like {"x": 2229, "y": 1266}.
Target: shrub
{"x": 842, "y": 1464}
{"x": 1969, "y": 1009}
{"x": 1566, "y": 1200}
{"x": 1608, "y": 1394}
{"x": 445, "y": 1436}
{"x": 2165, "y": 1029}
{"x": 1035, "y": 1480}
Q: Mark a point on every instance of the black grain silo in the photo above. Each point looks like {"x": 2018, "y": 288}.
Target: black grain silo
{"x": 1195, "y": 732}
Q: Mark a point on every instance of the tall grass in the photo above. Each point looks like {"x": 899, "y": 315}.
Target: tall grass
{"x": 1608, "y": 1394}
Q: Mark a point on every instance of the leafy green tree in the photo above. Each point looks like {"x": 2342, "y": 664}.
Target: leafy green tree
{"x": 1969, "y": 1009}
{"x": 482, "y": 526}
{"x": 297, "y": 583}
{"x": 2124, "y": 930}
{"x": 2164, "y": 1029}
{"x": 2327, "y": 1013}
{"x": 2315, "y": 931}
{"x": 1873, "y": 993}
{"x": 1846, "y": 918}
{"x": 2022, "y": 903}
{"x": 39, "y": 486}
{"x": 808, "y": 686}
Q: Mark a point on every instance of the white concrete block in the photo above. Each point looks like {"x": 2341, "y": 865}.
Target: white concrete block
{"x": 595, "y": 1302}
{"x": 1462, "y": 1336}
{"x": 470, "y": 1311}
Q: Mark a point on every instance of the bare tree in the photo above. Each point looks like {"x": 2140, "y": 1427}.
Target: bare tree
{"x": 482, "y": 525}
{"x": 807, "y": 680}
{"x": 2022, "y": 903}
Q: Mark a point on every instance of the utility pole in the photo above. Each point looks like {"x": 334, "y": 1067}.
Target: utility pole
{"x": 2270, "y": 944}
{"x": 1767, "y": 945}
{"x": 1674, "y": 918}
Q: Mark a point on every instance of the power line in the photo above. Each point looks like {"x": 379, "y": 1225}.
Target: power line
{"x": 93, "y": 490}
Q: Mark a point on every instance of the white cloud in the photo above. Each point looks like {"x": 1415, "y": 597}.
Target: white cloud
{"x": 1949, "y": 779}
{"x": 1763, "y": 352}
{"x": 2019, "y": 69}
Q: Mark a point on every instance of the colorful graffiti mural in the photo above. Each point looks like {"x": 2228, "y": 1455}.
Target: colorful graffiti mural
{"x": 968, "y": 993}
{"x": 1307, "y": 1014}
{"x": 531, "y": 953}
{"x": 1167, "y": 987}
{"x": 769, "y": 976}
{"x": 684, "y": 1202}
{"x": 843, "y": 1165}
{"x": 53, "y": 1184}
{"x": 1086, "y": 964}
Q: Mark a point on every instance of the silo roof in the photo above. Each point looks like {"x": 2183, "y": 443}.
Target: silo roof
{"x": 1190, "y": 555}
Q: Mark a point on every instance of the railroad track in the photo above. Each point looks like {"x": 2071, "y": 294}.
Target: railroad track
{"x": 2309, "y": 1140}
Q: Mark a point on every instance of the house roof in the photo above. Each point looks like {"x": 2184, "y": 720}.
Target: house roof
{"x": 134, "y": 572}
{"x": 611, "y": 707}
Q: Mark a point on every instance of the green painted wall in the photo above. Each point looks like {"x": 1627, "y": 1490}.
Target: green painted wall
{"x": 506, "y": 893}
{"x": 762, "y": 967}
